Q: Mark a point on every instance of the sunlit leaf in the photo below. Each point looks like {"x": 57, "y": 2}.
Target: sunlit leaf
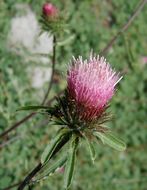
{"x": 109, "y": 139}
{"x": 67, "y": 41}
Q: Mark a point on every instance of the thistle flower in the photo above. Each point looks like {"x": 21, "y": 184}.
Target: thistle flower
{"x": 91, "y": 84}
{"x": 49, "y": 10}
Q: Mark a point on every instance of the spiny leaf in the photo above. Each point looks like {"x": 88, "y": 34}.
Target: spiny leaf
{"x": 69, "y": 169}
{"x": 109, "y": 139}
{"x": 48, "y": 170}
{"x": 50, "y": 148}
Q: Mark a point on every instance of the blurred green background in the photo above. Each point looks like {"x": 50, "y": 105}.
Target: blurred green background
{"x": 93, "y": 22}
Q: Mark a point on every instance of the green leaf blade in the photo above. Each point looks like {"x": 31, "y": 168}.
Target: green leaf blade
{"x": 25, "y": 108}
{"x": 50, "y": 148}
{"x": 47, "y": 170}
{"x": 91, "y": 149}
{"x": 111, "y": 140}
{"x": 69, "y": 169}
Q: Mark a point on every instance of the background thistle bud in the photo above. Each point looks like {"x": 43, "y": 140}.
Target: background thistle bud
{"x": 52, "y": 20}
{"x": 49, "y": 10}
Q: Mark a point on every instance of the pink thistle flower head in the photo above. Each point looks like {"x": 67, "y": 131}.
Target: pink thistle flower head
{"x": 49, "y": 10}
{"x": 91, "y": 83}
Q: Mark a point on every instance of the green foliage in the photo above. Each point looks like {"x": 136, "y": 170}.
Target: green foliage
{"x": 49, "y": 168}
{"x": 93, "y": 23}
{"x": 51, "y": 148}
{"x": 110, "y": 140}
{"x": 33, "y": 108}
{"x": 91, "y": 149}
{"x": 69, "y": 169}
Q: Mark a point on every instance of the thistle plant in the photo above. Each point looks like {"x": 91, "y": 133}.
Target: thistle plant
{"x": 80, "y": 114}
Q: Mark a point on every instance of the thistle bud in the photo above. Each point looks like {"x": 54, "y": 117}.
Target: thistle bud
{"x": 49, "y": 10}
{"x": 52, "y": 20}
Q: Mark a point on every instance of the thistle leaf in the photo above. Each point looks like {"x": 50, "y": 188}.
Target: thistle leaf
{"x": 68, "y": 40}
{"x": 48, "y": 170}
{"x": 69, "y": 169}
{"x": 39, "y": 109}
{"x": 111, "y": 140}
{"x": 50, "y": 148}
{"x": 91, "y": 149}
{"x": 32, "y": 108}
